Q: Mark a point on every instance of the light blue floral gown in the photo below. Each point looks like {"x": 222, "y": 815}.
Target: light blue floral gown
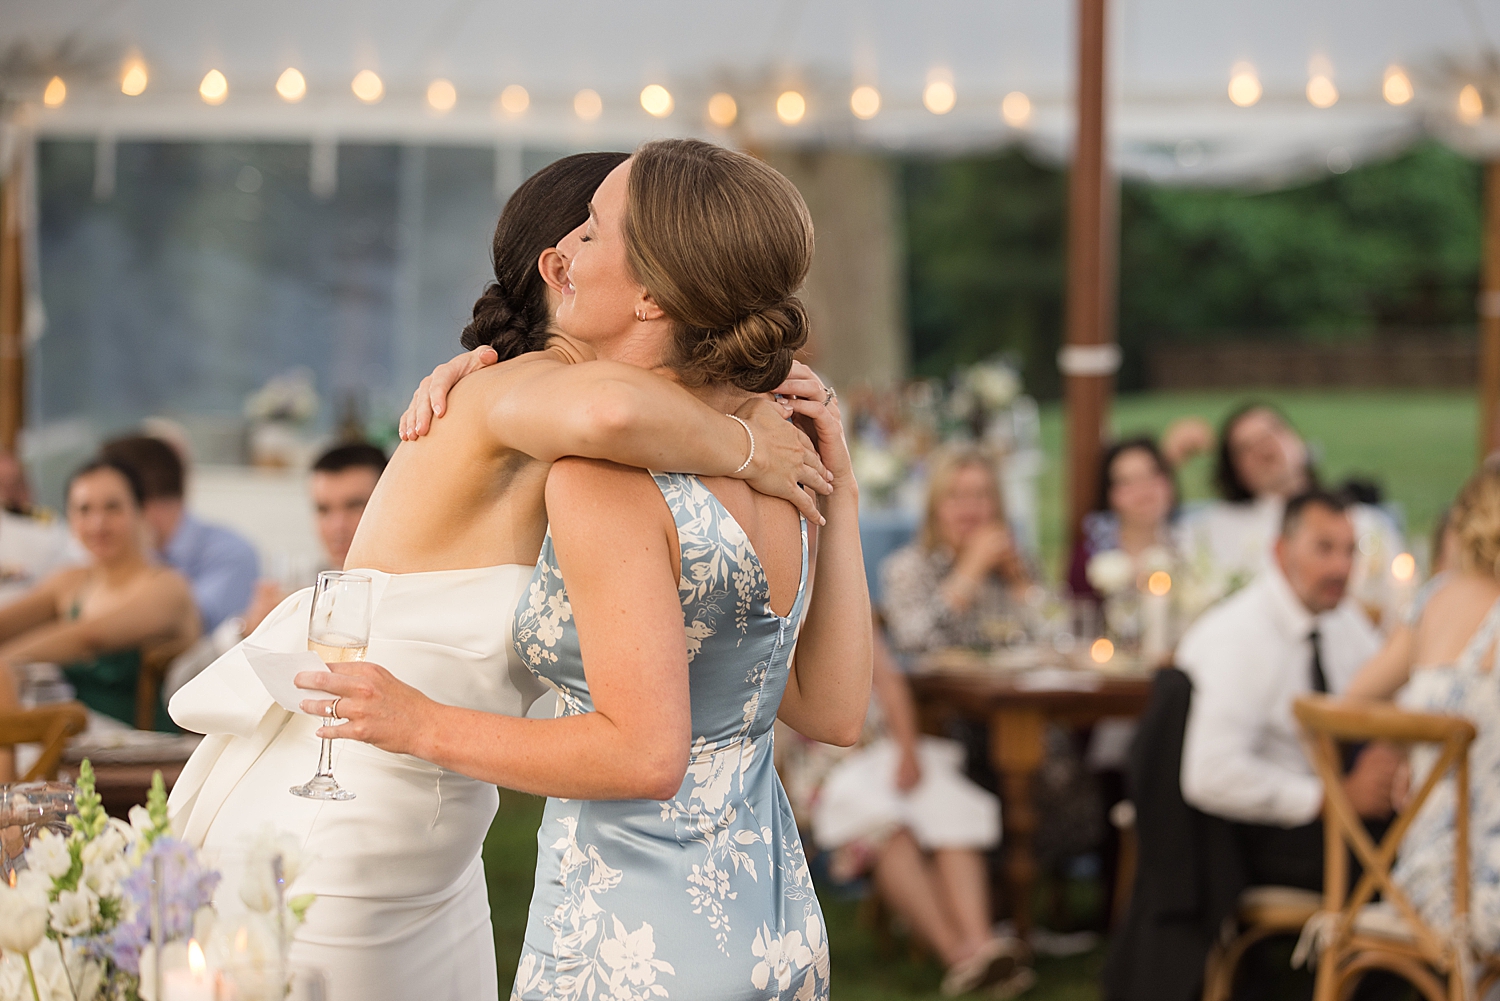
{"x": 706, "y": 896}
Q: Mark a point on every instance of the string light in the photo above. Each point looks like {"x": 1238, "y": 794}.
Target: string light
{"x": 56, "y": 93}
{"x": 514, "y": 100}
{"x": 723, "y": 110}
{"x": 214, "y": 88}
{"x": 291, "y": 85}
{"x": 133, "y": 80}
{"x": 939, "y": 96}
{"x": 1470, "y": 105}
{"x": 1397, "y": 88}
{"x": 587, "y": 105}
{"x": 790, "y": 107}
{"x": 1101, "y": 651}
{"x": 1159, "y": 583}
{"x": 367, "y": 86}
{"x": 1404, "y": 566}
{"x": 657, "y": 100}
{"x": 1016, "y": 109}
{"x": 1321, "y": 93}
{"x": 441, "y": 96}
{"x": 1244, "y": 85}
{"x": 865, "y": 102}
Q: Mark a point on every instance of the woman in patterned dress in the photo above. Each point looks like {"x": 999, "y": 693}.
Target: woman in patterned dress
{"x": 666, "y": 610}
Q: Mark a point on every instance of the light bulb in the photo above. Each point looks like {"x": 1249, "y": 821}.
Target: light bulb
{"x": 1244, "y": 85}
{"x": 1397, "y": 88}
{"x": 367, "y": 86}
{"x": 939, "y": 97}
{"x": 56, "y": 93}
{"x": 1016, "y": 109}
{"x": 133, "y": 80}
{"x": 291, "y": 85}
{"x": 1321, "y": 93}
{"x": 587, "y": 105}
{"x": 657, "y": 100}
{"x": 1470, "y": 105}
{"x": 865, "y": 102}
{"x": 514, "y": 100}
{"x": 723, "y": 110}
{"x": 441, "y": 96}
{"x": 214, "y": 88}
{"x": 790, "y": 107}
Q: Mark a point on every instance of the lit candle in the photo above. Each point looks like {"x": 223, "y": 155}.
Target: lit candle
{"x": 192, "y": 984}
{"x": 1156, "y": 618}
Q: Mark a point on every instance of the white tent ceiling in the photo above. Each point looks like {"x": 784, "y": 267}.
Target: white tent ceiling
{"x": 1170, "y": 62}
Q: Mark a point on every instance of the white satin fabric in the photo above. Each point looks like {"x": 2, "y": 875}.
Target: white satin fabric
{"x": 402, "y": 909}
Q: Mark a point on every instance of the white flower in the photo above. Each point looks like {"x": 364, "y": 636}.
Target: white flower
{"x": 778, "y": 955}
{"x": 75, "y": 912}
{"x": 548, "y": 630}
{"x": 995, "y": 384}
{"x": 54, "y": 982}
{"x": 1111, "y": 571}
{"x": 23, "y": 920}
{"x": 632, "y": 956}
{"x": 258, "y": 888}
{"x": 103, "y": 876}
{"x": 36, "y": 885}
{"x": 49, "y": 854}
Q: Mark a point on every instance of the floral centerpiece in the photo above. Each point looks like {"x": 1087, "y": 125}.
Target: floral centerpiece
{"x": 83, "y": 921}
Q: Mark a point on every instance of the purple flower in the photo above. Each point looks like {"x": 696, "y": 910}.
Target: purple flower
{"x": 187, "y": 886}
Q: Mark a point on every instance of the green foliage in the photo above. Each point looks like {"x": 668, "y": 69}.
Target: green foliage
{"x": 90, "y": 820}
{"x": 1392, "y": 244}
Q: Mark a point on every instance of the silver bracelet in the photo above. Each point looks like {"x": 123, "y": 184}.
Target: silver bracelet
{"x": 751, "y": 457}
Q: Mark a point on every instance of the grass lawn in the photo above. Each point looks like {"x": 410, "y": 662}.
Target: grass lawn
{"x": 1418, "y": 445}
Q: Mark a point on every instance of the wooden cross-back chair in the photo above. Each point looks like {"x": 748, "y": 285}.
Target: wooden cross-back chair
{"x": 1357, "y": 935}
{"x": 156, "y": 660}
{"x": 50, "y": 726}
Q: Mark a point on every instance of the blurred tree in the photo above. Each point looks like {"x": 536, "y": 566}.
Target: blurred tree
{"x": 1390, "y": 245}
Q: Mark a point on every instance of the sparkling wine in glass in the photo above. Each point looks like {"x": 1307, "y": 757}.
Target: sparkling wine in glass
{"x": 338, "y": 630}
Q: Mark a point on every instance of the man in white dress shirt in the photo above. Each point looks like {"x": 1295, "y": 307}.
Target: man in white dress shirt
{"x": 1291, "y": 632}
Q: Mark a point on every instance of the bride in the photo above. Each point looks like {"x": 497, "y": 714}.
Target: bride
{"x": 450, "y": 538}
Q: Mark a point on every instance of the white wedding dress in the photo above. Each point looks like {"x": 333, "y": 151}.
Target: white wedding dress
{"x": 402, "y": 910}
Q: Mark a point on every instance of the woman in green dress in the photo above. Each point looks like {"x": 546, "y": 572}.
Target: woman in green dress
{"x": 96, "y": 619}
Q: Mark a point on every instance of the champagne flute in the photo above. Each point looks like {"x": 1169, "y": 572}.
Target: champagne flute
{"x": 339, "y": 630}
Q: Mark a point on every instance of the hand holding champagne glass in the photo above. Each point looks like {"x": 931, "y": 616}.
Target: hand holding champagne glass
{"x": 339, "y": 630}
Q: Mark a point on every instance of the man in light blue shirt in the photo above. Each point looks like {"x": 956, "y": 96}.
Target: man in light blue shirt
{"x": 221, "y": 565}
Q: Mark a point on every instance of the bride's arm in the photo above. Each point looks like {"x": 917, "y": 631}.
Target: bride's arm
{"x": 614, "y": 542}
{"x": 608, "y": 410}
{"x": 828, "y": 690}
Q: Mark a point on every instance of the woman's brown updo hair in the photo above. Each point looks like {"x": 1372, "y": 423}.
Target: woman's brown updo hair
{"x": 512, "y": 316}
{"x": 722, "y": 242}
{"x": 1475, "y": 518}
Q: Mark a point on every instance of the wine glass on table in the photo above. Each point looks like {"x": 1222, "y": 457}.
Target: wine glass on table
{"x": 339, "y": 630}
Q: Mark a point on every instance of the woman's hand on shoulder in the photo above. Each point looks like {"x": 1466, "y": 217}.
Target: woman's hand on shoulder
{"x": 785, "y": 460}
{"x": 807, "y": 397}
{"x": 377, "y": 707}
{"x": 431, "y": 398}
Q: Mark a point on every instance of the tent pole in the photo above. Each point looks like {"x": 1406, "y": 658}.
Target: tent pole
{"x": 12, "y": 310}
{"x": 1489, "y": 317}
{"x": 1089, "y": 357}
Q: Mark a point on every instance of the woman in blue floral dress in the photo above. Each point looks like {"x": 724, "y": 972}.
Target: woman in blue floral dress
{"x": 677, "y": 619}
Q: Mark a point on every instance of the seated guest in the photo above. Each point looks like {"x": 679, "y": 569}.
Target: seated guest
{"x": 1263, "y": 461}
{"x": 96, "y": 619}
{"x": 343, "y": 479}
{"x": 1290, "y": 632}
{"x": 900, "y": 808}
{"x": 220, "y": 565}
{"x": 1451, "y": 668}
{"x": 1134, "y": 512}
{"x": 964, "y": 574}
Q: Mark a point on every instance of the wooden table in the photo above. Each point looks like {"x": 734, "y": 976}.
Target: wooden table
{"x": 124, "y": 786}
{"x": 954, "y": 686}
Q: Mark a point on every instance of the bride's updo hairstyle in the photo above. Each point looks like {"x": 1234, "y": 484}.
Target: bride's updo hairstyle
{"x": 1475, "y": 517}
{"x": 722, "y": 242}
{"x": 512, "y": 315}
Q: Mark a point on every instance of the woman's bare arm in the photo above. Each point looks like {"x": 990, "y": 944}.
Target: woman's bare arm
{"x": 606, "y": 410}
{"x": 161, "y": 607}
{"x": 36, "y": 607}
{"x": 828, "y": 690}
{"x": 616, "y": 545}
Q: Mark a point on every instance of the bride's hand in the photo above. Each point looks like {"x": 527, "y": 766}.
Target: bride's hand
{"x": 378, "y": 708}
{"x": 431, "y": 397}
{"x": 807, "y": 397}
{"x": 785, "y": 460}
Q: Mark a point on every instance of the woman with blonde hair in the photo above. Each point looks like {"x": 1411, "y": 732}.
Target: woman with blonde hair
{"x": 964, "y": 572}
{"x": 1454, "y": 655}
